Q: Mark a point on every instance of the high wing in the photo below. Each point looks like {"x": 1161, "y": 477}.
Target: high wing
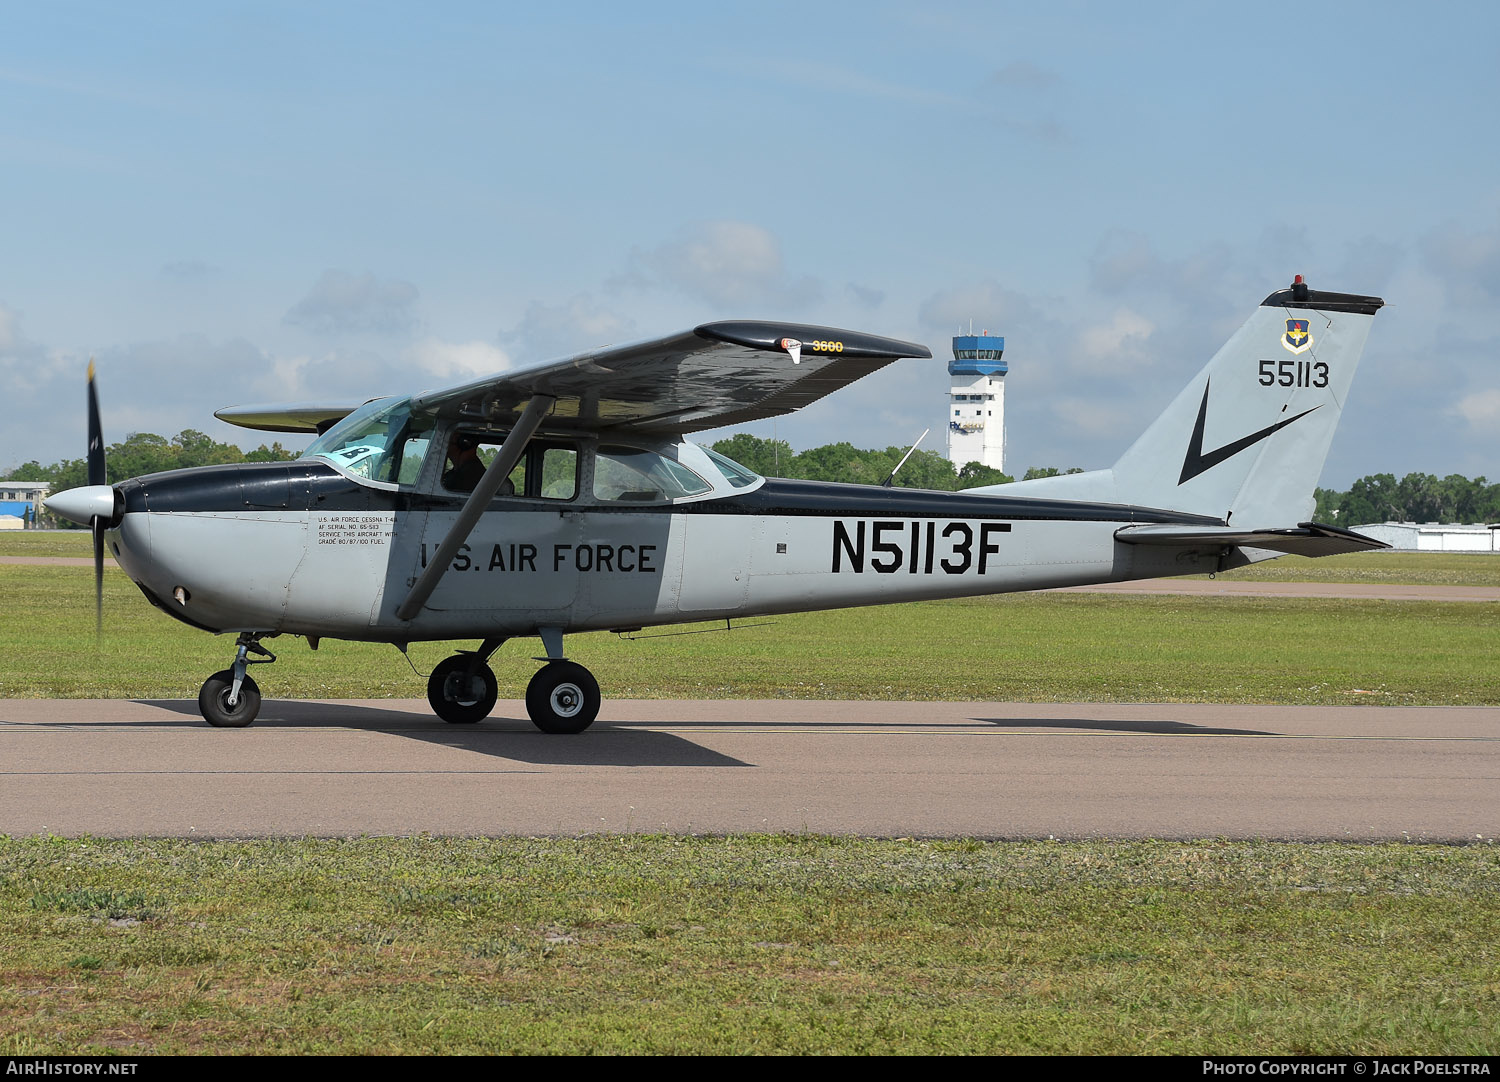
{"x": 717, "y": 374}
{"x": 714, "y": 375}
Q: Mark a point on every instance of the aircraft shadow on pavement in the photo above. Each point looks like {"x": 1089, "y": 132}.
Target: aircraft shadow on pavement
{"x": 1145, "y": 728}
{"x": 504, "y": 738}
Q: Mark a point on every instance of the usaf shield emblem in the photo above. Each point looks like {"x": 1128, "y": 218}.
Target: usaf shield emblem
{"x": 1297, "y": 339}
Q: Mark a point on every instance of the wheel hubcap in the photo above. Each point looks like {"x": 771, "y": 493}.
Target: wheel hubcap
{"x": 455, "y": 691}
{"x": 567, "y": 700}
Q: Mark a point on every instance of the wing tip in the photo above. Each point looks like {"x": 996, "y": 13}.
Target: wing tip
{"x": 766, "y": 335}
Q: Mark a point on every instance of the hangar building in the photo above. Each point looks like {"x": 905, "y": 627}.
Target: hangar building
{"x": 19, "y": 503}
{"x": 1434, "y": 537}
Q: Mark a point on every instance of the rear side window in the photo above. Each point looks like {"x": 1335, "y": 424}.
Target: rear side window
{"x": 738, "y": 476}
{"x": 633, "y": 475}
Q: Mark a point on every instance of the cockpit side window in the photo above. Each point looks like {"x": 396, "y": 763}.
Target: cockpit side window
{"x": 547, "y": 471}
{"x": 468, "y": 457}
{"x": 413, "y": 450}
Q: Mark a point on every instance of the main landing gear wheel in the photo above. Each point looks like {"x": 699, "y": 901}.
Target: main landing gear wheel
{"x": 213, "y": 701}
{"x": 563, "y": 697}
{"x": 457, "y": 697}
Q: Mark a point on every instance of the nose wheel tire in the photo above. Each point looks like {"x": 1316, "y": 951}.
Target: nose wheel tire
{"x": 213, "y": 701}
{"x": 458, "y": 698}
{"x": 563, "y": 697}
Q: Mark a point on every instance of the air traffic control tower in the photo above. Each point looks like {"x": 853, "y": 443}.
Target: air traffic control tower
{"x": 976, "y": 417}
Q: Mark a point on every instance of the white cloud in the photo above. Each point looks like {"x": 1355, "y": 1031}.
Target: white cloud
{"x": 341, "y": 302}
{"x": 1123, "y": 259}
{"x": 1206, "y": 278}
{"x": 1481, "y": 409}
{"x": 26, "y": 365}
{"x": 459, "y": 361}
{"x": 354, "y": 375}
{"x": 984, "y": 305}
{"x": 1123, "y": 341}
{"x": 726, "y": 263}
{"x": 1095, "y": 419}
{"x": 549, "y": 331}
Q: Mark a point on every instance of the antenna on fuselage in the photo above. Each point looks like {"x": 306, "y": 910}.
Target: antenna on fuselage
{"x": 887, "y": 482}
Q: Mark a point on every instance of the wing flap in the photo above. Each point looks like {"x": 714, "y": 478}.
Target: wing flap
{"x": 1307, "y": 539}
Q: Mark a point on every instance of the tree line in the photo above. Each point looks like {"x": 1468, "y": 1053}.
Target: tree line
{"x": 845, "y": 462}
{"x": 145, "y": 452}
{"x": 1417, "y": 497}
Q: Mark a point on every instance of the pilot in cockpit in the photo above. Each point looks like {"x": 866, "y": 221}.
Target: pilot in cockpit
{"x": 465, "y": 467}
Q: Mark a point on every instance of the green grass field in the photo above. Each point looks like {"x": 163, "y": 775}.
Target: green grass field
{"x": 746, "y": 945}
{"x": 1386, "y": 568}
{"x": 772, "y": 944}
{"x": 1031, "y": 647}
{"x": 46, "y": 543}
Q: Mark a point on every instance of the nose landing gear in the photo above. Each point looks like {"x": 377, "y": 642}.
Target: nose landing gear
{"x": 229, "y": 699}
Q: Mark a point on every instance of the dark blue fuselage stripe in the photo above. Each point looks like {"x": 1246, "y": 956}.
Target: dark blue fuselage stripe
{"x": 314, "y": 486}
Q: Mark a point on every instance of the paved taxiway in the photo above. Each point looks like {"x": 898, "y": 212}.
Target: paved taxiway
{"x": 1004, "y": 770}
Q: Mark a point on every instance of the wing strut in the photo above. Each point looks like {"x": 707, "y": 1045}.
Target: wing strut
{"x": 479, "y": 502}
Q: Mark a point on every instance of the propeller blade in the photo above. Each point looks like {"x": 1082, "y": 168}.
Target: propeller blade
{"x": 96, "y": 436}
{"x": 97, "y": 526}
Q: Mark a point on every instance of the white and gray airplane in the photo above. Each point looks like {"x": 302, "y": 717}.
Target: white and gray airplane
{"x": 563, "y": 498}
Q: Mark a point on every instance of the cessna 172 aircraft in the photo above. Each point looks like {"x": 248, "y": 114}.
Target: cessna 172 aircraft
{"x": 563, "y": 498}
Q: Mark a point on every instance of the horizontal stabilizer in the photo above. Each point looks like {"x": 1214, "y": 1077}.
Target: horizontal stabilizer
{"x": 1307, "y": 539}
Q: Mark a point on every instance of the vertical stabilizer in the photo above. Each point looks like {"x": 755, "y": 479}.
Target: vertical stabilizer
{"x": 1246, "y": 439}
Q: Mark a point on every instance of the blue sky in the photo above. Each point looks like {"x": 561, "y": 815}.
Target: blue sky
{"x": 277, "y": 202}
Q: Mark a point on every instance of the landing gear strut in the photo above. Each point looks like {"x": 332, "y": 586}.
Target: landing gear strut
{"x": 229, "y": 699}
{"x": 462, "y": 689}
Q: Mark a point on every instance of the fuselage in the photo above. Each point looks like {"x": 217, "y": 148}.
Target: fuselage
{"x": 308, "y": 548}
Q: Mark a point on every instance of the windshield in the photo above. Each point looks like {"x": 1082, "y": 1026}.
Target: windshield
{"x": 381, "y": 441}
